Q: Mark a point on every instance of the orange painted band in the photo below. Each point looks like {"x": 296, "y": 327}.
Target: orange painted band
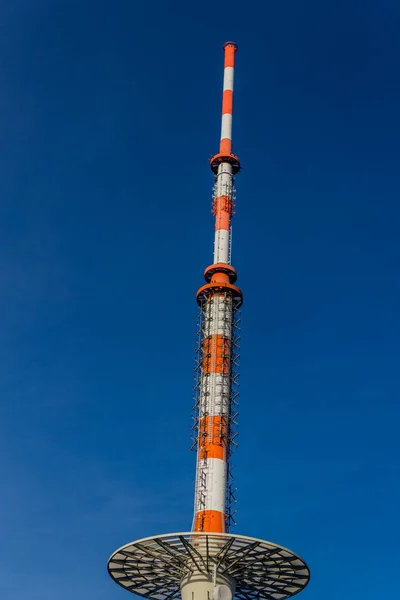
{"x": 213, "y": 431}
{"x": 225, "y": 146}
{"x": 229, "y": 56}
{"x": 210, "y": 520}
{"x": 227, "y": 102}
{"x": 222, "y": 220}
{"x": 216, "y": 354}
{"x": 223, "y": 203}
{"x": 223, "y": 209}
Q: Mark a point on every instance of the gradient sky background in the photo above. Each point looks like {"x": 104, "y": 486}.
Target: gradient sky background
{"x": 109, "y": 111}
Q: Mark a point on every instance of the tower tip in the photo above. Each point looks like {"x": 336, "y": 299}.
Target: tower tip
{"x": 233, "y": 44}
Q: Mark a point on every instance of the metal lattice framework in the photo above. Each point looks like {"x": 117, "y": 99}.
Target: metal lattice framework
{"x": 232, "y": 391}
{"x": 154, "y": 567}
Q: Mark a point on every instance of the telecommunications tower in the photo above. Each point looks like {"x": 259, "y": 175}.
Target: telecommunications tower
{"x": 209, "y": 563}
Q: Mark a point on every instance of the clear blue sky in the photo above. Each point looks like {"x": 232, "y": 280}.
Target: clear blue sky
{"x": 109, "y": 111}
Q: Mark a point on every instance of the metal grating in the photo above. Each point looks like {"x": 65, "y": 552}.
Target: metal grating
{"x": 233, "y": 315}
{"x": 154, "y": 567}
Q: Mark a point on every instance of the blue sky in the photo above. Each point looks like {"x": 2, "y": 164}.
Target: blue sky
{"x": 109, "y": 112}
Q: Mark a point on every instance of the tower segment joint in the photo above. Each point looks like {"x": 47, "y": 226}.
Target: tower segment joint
{"x": 211, "y": 289}
{"x": 219, "y": 158}
{"x": 220, "y": 268}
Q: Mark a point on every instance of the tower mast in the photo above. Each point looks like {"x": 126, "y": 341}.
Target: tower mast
{"x": 219, "y": 301}
{"x": 208, "y": 562}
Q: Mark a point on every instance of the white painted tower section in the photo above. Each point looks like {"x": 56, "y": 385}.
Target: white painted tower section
{"x": 211, "y": 473}
{"x": 226, "y": 125}
{"x": 223, "y": 187}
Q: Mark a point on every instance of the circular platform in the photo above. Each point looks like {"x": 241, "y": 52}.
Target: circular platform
{"x": 154, "y": 567}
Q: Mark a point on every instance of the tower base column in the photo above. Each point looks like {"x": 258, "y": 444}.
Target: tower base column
{"x": 202, "y": 586}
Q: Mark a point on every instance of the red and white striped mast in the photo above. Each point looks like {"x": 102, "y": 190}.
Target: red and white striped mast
{"x": 219, "y": 300}
{"x": 208, "y": 562}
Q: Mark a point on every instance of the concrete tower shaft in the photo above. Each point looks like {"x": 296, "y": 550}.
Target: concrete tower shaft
{"x": 223, "y": 189}
{"x": 217, "y": 349}
{"x": 225, "y": 147}
{"x": 208, "y": 562}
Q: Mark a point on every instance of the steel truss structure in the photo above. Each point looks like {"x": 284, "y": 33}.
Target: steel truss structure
{"x": 229, "y": 393}
{"x": 154, "y": 567}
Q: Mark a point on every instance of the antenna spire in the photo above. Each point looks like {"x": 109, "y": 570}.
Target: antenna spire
{"x": 218, "y": 358}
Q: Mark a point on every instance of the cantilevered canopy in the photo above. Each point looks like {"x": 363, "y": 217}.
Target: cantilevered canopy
{"x": 154, "y": 567}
